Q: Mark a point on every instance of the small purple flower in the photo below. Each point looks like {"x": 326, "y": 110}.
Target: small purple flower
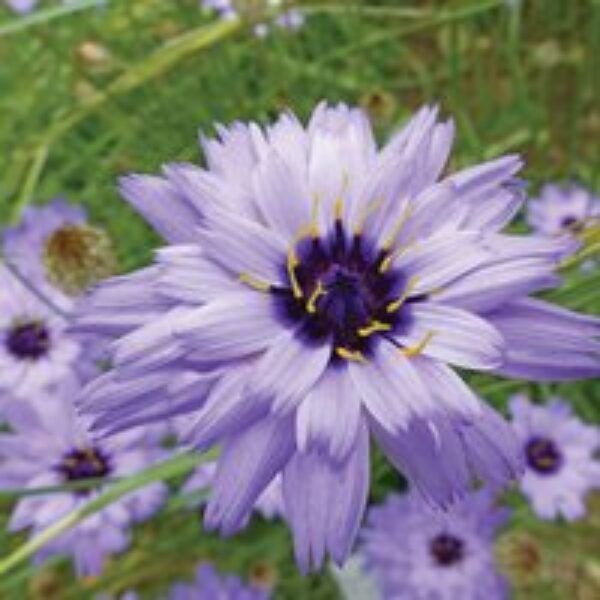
{"x": 291, "y": 19}
{"x": 269, "y": 504}
{"x": 21, "y": 6}
{"x": 35, "y": 349}
{"x": 561, "y": 209}
{"x": 51, "y": 447}
{"x": 560, "y": 456}
{"x": 58, "y": 251}
{"x": 318, "y": 291}
{"x": 209, "y": 585}
{"x": 419, "y": 554}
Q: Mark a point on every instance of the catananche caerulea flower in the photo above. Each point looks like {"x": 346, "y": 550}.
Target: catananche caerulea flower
{"x": 35, "y": 349}
{"x": 58, "y": 251}
{"x": 269, "y": 504}
{"x": 563, "y": 209}
{"x": 418, "y": 554}
{"x": 317, "y": 290}
{"x": 209, "y": 585}
{"x": 49, "y": 446}
{"x": 291, "y": 19}
{"x": 561, "y": 457}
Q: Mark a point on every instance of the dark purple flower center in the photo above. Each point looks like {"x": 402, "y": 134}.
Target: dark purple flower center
{"x": 28, "y": 340}
{"x": 446, "y": 549}
{"x": 344, "y": 290}
{"x": 80, "y": 464}
{"x": 572, "y": 224}
{"x": 543, "y": 456}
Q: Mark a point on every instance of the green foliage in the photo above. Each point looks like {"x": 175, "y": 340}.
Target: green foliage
{"x": 89, "y": 93}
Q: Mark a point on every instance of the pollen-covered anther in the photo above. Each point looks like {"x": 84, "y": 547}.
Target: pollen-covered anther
{"x": 353, "y": 355}
{"x": 418, "y": 348}
{"x": 255, "y": 283}
{"x": 396, "y": 304}
{"x": 373, "y": 327}
{"x": 292, "y": 264}
{"x": 311, "y": 305}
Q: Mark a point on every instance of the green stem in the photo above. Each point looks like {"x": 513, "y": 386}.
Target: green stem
{"x": 28, "y": 189}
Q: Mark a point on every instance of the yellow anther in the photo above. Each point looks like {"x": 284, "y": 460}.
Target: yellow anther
{"x": 406, "y": 213}
{"x": 418, "y": 348}
{"x": 370, "y": 209}
{"x": 253, "y": 282}
{"x": 338, "y": 208}
{"x": 292, "y": 263}
{"x": 396, "y": 304}
{"x": 354, "y": 355}
{"x": 386, "y": 263}
{"x": 374, "y": 327}
{"x": 318, "y": 291}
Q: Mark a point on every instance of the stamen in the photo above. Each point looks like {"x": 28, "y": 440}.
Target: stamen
{"x": 386, "y": 263}
{"x": 374, "y": 327}
{"x": 255, "y": 283}
{"x": 338, "y": 208}
{"x": 318, "y": 291}
{"x": 292, "y": 263}
{"x": 346, "y": 354}
{"x": 418, "y": 348}
{"x": 410, "y": 286}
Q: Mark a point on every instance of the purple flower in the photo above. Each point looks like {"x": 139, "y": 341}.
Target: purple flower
{"x": 55, "y": 249}
{"x": 563, "y": 209}
{"x": 418, "y": 554}
{"x": 51, "y": 447}
{"x": 269, "y": 504}
{"x": 21, "y": 6}
{"x": 208, "y": 585}
{"x": 35, "y": 349}
{"x": 291, "y": 19}
{"x": 561, "y": 457}
{"x": 318, "y": 290}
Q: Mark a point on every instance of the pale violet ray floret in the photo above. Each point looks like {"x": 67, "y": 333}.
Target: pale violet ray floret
{"x": 561, "y": 457}
{"x": 415, "y": 553}
{"x": 322, "y": 291}
{"x": 269, "y": 504}
{"x": 49, "y": 445}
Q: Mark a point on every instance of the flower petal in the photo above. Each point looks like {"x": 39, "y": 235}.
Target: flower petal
{"x": 287, "y": 371}
{"x": 160, "y": 203}
{"x": 325, "y": 502}
{"x": 328, "y": 418}
{"x": 457, "y": 337}
{"x": 248, "y": 463}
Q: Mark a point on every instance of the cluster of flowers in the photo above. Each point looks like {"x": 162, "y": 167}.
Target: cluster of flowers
{"x": 316, "y": 293}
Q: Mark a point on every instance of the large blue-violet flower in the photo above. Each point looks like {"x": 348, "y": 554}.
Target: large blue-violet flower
{"x": 417, "y": 554}
{"x": 560, "y": 450}
{"x": 50, "y": 446}
{"x": 316, "y": 291}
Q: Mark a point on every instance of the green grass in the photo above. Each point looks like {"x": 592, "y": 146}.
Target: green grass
{"x": 524, "y": 81}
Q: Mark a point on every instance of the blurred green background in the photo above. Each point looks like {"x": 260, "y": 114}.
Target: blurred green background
{"x": 91, "y": 90}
